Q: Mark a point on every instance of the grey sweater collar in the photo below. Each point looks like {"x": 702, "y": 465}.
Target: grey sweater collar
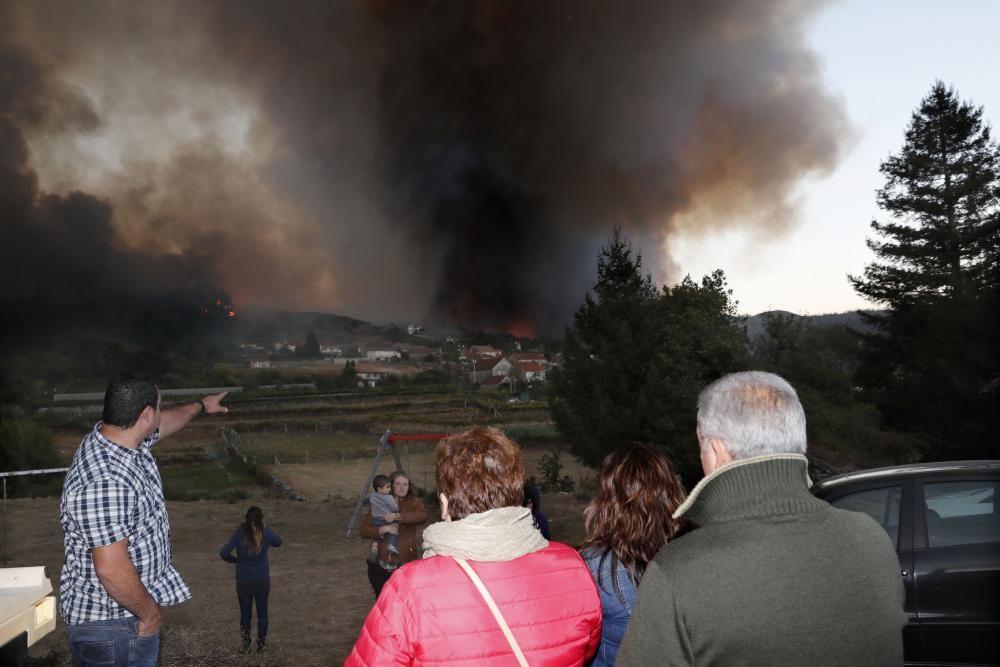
{"x": 762, "y": 486}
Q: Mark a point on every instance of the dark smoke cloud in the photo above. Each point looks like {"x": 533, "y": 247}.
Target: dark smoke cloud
{"x": 456, "y": 160}
{"x": 61, "y": 263}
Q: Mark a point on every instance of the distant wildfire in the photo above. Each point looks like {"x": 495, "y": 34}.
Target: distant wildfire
{"x": 412, "y": 161}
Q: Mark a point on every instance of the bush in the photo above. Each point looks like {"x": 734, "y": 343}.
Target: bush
{"x": 549, "y": 466}
{"x": 25, "y": 445}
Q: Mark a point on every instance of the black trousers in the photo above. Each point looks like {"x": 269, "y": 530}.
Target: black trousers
{"x": 249, "y": 592}
{"x": 377, "y": 576}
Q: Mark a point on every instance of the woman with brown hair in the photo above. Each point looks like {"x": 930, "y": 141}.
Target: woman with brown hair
{"x": 490, "y": 588}
{"x": 251, "y": 541}
{"x": 627, "y": 523}
{"x": 411, "y": 515}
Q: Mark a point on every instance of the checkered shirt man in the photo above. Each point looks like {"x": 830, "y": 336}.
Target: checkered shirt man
{"x": 112, "y": 492}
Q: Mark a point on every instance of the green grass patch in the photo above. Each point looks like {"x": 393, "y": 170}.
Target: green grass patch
{"x": 206, "y": 481}
{"x": 535, "y": 432}
{"x": 300, "y": 447}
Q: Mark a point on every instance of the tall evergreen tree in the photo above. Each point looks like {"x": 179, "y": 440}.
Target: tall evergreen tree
{"x": 932, "y": 365}
{"x": 636, "y": 357}
{"x": 311, "y": 347}
{"x": 943, "y": 193}
{"x": 602, "y": 393}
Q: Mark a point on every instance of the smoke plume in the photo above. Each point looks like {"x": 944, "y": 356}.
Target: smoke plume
{"x": 456, "y": 162}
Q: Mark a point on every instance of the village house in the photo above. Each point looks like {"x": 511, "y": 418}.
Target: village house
{"x": 529, "y": 371}
{"x": 382, "y": 354}
{"x": 536, "y": 357}
{"x": 418, "y": 352}
{"x": 330, "y": 349}
{"x": 484, "y": 352}
{"x": 483, "y": 369}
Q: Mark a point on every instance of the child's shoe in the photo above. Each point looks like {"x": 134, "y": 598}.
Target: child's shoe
{"x": 391, "y": 548}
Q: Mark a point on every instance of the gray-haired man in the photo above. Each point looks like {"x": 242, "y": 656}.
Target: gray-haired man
{"x": 772, "y": 575}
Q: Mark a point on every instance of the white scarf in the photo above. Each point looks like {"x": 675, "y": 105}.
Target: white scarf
{"x": 501, "y": 534}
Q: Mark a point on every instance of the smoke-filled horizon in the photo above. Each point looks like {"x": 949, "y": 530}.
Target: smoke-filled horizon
{"x": 451, "y": 162}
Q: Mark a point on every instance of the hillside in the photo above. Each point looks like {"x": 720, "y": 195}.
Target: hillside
{"x": 851, "y": 319}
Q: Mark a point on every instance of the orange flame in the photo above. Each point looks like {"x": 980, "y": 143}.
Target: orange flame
{"x": 521, "y": 326}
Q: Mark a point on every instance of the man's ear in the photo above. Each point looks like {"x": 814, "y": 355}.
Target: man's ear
{"x": 722, "y": 455}
{"x": 444, "y": 507}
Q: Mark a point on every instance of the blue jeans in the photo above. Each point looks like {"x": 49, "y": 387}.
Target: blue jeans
{"x": 390, "y": 538}
{"x": 114, "y": 642}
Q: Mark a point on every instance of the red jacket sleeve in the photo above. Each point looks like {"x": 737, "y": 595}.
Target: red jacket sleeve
{"x": 384, "y": 639}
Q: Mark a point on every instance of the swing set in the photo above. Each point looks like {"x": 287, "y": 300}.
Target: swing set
{"x": 387, "y": 443}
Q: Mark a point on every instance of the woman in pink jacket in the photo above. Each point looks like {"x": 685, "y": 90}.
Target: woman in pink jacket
{"x": 490, "y": 589}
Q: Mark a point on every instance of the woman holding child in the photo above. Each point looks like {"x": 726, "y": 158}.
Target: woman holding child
{"x": 627, "y": 523}
{"x": 403, "y": 524}
{"x": 490, "y": 589}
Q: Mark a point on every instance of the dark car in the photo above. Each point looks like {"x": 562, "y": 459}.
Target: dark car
{"x": 945, "y": 522}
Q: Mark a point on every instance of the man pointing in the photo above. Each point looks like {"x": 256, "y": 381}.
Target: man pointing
{"x": 118, "y": 568}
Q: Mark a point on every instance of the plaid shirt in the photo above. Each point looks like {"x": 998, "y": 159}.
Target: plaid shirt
{"x": 113, "y": 493}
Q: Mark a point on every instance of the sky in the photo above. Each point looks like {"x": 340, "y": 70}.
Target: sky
{"x": 454, "y": 163}
{"x": 880, "y": 58}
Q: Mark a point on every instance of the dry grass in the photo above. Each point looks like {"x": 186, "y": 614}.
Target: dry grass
{"x": 319, "y": 592}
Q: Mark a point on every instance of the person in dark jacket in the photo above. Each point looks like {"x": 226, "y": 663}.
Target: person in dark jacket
{"x": 772, "y": 575}
{"x": 627, "y": 523}
{"x": 533, "y": 501}
{"x": 253, "y": 572}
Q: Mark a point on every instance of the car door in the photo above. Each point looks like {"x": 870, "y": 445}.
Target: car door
{"x": 957, "y": 569}
{"x": 889, "y": 502}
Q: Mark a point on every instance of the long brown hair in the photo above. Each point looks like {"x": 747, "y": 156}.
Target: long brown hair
{"x": 253, "y": 530}
{"x": 631, "y": 517}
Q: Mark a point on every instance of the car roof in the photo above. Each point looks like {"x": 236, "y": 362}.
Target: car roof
{"x": 908, "y": 470}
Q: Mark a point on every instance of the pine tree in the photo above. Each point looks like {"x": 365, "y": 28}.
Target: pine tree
{"x": 943, "y": 193}
{"x": 932, "y": 365}
{"x": 636, "y": 357}
{"x": 599, "y": 394}
{"x": 310, "y": 348}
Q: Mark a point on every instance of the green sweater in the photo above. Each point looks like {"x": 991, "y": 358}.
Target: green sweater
{"x": 772, "y": 576}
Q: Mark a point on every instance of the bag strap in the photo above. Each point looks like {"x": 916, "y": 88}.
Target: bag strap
{"x": 495, "y": 610}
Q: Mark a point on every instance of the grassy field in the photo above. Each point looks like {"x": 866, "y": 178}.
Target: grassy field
{"x": 318, "y": 443}
{"x": 322, "y": 447}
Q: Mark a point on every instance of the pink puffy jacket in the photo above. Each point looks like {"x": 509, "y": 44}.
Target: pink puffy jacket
{"x": 430, "y": 612}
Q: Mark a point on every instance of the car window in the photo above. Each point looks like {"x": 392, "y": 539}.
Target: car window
{"x": 961, "y": 513}
{"x": 880, "y": 504}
